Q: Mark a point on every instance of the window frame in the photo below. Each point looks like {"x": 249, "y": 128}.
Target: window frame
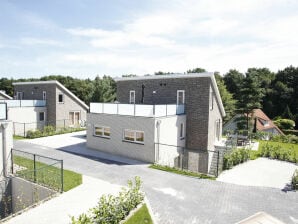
{"x": 60, "y": 94}
{"x": 41, "y": 112}
{"x": 134, "y": 137}
{"x": 134, "y": 97}
{"x": 103, "y": 135}
{"x": 183, "y": 97}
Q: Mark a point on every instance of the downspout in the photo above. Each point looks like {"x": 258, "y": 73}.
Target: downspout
{"x": 4, "y": 126}
{"x": 157, "y": 139}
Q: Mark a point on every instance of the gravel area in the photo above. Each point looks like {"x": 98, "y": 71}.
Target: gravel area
{"x": 260, "y": 172}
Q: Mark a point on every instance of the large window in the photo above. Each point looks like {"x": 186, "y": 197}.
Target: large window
{"x": 102, "y": 131}
{"x": 20, "y": 95}
{"x": 61, "y": 98}
{"x": 74, "y": 117}
{"x": 180, "y": 97}
{"x": 132, "y": 96}
{"x": 133, "y": 136}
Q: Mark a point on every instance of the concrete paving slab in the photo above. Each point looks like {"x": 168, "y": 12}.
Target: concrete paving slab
{"x": 71, "y": 203}
{"x": 260, "y": 172}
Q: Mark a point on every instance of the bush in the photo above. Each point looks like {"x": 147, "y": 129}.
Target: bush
{"x": 285, "y": 138}
{"x": 295, "y": 180}
{"x": 277, "y": 152}
{"x": 34, "y": 134}
{"x": 284, "y": 123}
{"x": 290, "y": 132}
{"x": 49, "y": 130}
{"x": 235, "y": 157}
{"x": 113, "y": 209}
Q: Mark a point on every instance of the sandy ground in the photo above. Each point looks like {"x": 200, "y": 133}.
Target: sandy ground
{"x": 260, "y": 172}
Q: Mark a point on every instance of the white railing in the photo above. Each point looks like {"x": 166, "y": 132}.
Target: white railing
{"x": 24, "y": 103}
{"x": 141, "y": 110}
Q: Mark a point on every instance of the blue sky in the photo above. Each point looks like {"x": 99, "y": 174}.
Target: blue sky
{"x": 95, "y": 37}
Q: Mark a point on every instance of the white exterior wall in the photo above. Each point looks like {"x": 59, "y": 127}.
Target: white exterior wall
{"x": 28, "y": 115}
{"x": 167, "y": 134}
{"x": 8, "y": 145}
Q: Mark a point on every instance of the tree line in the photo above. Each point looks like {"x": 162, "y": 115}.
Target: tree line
{"x": 276, "y": 93}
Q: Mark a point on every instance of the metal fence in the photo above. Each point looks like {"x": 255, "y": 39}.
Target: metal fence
{"x": 35, "y": 178}
{"x": 21, "y": 129}
{"x": 203, "y": 161}
{"x": 39, "y": 169}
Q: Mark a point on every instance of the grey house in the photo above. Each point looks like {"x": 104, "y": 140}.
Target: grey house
{"x": 63, "y": 108}
{"x": 173, "y": 120}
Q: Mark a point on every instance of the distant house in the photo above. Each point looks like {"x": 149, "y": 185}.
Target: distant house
{"x": 173, "y": 120}
{"x": 41, "y": 103}
{"x": 62, "y": 105}
{"x": 258, "y": 119}
{"x": 4, "y": 96}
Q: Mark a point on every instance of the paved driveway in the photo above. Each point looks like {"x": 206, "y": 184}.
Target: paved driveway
{"x": 261, "y": 172}
{"x": 174, "y": 198}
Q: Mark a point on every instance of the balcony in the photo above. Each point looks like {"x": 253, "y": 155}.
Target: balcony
{"x": 24, "y": 103}
{"x": 141, "y": 110}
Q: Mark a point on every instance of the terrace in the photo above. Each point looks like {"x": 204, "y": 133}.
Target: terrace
{"x": 24, "y": 103}
{"x": 141, "y": 110}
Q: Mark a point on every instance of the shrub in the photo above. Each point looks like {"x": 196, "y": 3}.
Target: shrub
{"x": 295, "y": 180}
{"x": 285, "y": 123}
{"x": 34, "y": 134}
{"x": 235, "y": 157}
{"x": 49, "y": 130}
{"x": 290, "y": 132}
{"x": 285, "y": 138}
{"x": 278, "y": 152}
{"x": 113, "y": 209}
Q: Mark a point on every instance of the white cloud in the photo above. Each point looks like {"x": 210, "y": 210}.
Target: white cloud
{"x": 40, "y": 41}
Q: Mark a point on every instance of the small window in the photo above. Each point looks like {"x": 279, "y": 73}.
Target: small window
{"x": 132, "y": 96}
{"x": 182, "y": 131}
{"x": 41, "y": 116}
{"x": 180, "y": 97}
{"x": 217, "y": 130}
{"x": 44, "y": 95}
{"x": 102, "y": 131}
{"x": 133, "y": 136}
{"x": 61, "y": 98}
{"x": 212, "y": 98}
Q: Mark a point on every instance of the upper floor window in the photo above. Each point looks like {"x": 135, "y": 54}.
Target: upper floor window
{"x": 133, "y": 136}
{"x": 132, "y": 96}
{"x": 44, "y": 95}
{"x": 180, "y": 97}
{"x": 61, "y": 98}
{"x": 20, "y": 95}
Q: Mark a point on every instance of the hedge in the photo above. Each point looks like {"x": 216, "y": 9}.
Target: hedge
{"x": 295, "y": 180}
{"x": 278, "y": 152}
{"x": 112, "y": 209}
{"x": 235, "y": 157}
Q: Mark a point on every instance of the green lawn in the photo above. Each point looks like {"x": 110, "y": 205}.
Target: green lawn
{"x": 48, "y": 175}
{"x": 142, "y": 216}
{"x": 181, "y": 172}
{"x": 283, "y": 145}
{"x": 17, "y": 137}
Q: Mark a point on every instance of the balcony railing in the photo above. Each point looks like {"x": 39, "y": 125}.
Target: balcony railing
{"x": 24, "y": 103}
{"x": 141, "y": 110}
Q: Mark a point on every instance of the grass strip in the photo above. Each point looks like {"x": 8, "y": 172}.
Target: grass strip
{"x": 181, "y": 172}
{"x": 140, "y": 216}
{"x": 47, "y": 175}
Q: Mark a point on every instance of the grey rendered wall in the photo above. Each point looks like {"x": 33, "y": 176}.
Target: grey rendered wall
{"x": 35, "y": 92}
{"x": 196, "y": 102}
{"x": 115, "y": 145}
{"x": 69, "y": 105}
{"x": 8, "y": 144}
